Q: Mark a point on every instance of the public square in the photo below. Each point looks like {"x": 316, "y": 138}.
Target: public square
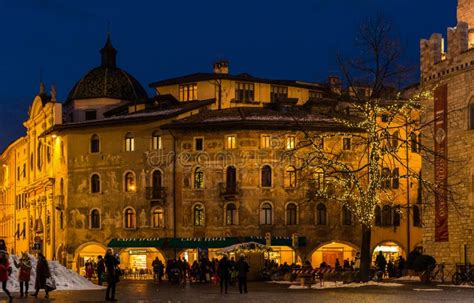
{"x": 147, "y": 291}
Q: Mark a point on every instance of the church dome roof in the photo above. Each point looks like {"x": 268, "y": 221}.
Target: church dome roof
{"x": 108, "y": 81}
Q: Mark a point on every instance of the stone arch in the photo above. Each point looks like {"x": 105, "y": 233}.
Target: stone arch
{"x": 389, "y": 242}
{"x": 330, "y": 251}
{"x": 91, "y": 249}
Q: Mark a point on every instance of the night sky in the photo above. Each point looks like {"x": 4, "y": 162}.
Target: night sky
{"x": 160, "y": 39}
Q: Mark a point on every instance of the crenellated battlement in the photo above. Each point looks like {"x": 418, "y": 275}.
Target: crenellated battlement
{"x": 438, "y": 59}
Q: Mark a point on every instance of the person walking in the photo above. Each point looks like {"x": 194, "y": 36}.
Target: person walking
{"x": 4, "y": 273}
{"x": 243, "y": 268}
{"x": 156, "y": 269}
{"x": 42, "y": 273}
{"x": 24, "y": 274}
{"x": 100, "y": 270}
{"x": 111, "y": 264}
{"x": 223, "y": 271}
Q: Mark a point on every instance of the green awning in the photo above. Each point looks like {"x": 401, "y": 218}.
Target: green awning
{"x": 210, "y": 242}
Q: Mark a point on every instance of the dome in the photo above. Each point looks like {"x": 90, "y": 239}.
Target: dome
{"x": 108, "y": 81}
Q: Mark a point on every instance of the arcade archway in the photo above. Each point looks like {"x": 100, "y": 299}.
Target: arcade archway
{"x": 88, "y": 252}
{"x": 330, "y": 252}
{"x": 390, "y": 250}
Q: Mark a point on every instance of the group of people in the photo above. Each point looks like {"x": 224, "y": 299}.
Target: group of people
{"x": 224, "y": 271}
{"x": 24, "y": 274}
{"x": 390, "y": 268}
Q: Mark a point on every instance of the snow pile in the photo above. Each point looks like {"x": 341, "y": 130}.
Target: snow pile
{"x": 331, "y": 285}
{"x": 459, "y": 286}
{"x": 409, "y": 279}
{"x": 66, "y": 279}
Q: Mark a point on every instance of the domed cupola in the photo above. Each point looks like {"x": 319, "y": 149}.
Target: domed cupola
{"x": 108, "y": 81}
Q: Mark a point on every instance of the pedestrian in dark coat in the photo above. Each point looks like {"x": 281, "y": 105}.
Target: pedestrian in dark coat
{"x": 111, "y": 265}
{"x": 24, "y": 274}
{"x": 243, "y": 268}
{"x": 42, "y": 273}
{"x": 4, "y": 272}
{"x": 223, "y": 271}
{"x": 100, "y": 269}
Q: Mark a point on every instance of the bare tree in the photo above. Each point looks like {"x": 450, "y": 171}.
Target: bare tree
{"x": 360, "y": 165}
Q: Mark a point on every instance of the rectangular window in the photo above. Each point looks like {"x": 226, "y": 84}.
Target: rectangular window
{"x": 265, "y": 141}
{"x": 156, "y": 142}
{"x": 244, "y": 92}
{"x": 278, "y": 92}
{"x": 91, "y": 115}
{"x": 290, "y": 142}
{"x": 230, "y": 142}
{"x": 198, "y": 144}
{"x": 188, "y": 92}
{"x": 315, "y": 94}
{"x": 346, "y": 143}
{"x": 129, "y": 144}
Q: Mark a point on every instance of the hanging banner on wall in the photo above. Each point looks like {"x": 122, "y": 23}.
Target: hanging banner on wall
{"x": 441, "y": 163}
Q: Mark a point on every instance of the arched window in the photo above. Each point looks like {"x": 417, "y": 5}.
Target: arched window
{"x": 95, "y": 144}
{"x": 395, "y": 140}
{"x": 413, "y": 143}
{"x": 95, "y": 183}
{"x": 231, "y": 179}
{"x": 130, "y": 184}
{"x": 156, "y": 140}
{"x": 386, "y": 176}
{"x": 291, "y": 214}
{"x": 198, "y": 178}
{"x": 290, "y": 177}
{"x": 266, "y": 216}
{"x": 156, "y": 182}
{"x": 266, "y": 176}
{"x": 386, "y": 215}
{"x": 378, "y": 215}
{"x": 198, "y": 215}
{"x": 39, "y": 154}
{"x": 231, "y": 214}
{"x": 95, "y": 219}
{"x": 129, "y": 218}
{"x": 346, "y": 216}
{"x": 129, "y": 142}
{"x": 321, "y": 214}
{"x": 396, "y": 215}
{"x": 416, "y": 216}
{"x": 395, "y": 178}
{"x": 157, "y": 218}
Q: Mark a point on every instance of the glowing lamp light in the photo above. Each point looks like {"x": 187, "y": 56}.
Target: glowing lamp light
{"x": 54, "y": 136}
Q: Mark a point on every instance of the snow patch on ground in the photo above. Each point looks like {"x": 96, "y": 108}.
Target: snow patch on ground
{"x": 66, "y": 279}
{"x": 282, "y": 282}
{"x": 329, "y": 285}
{"x": 408, "y": 279}
{"x": 457, "y": 286}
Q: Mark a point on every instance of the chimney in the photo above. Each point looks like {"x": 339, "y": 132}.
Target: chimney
{"x": 221, "y": 67}
{"x": 335, "y": 84}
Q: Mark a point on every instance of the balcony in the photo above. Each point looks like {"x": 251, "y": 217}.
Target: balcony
{"x": 228, "y": 191}
{"x": 157, "y": 195}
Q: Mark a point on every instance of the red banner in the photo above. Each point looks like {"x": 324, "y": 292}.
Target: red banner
{"x": 441, "y": 163}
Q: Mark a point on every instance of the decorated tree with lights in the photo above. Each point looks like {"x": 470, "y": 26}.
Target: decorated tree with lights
{"x": 377, "y": 127}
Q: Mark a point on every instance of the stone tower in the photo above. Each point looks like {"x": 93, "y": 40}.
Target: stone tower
{"x": 466, "y": 12}
{"x": 447, "y": 69}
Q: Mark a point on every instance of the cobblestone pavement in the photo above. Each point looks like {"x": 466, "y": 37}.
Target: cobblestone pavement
{"x": 147, "y": 292}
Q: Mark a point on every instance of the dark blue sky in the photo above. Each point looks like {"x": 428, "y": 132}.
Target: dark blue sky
{"x": 159, "y": 39}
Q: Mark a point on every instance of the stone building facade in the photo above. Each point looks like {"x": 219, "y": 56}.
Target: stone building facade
{"x": 451, "y": 70}
{"x": 111, "y": 167}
